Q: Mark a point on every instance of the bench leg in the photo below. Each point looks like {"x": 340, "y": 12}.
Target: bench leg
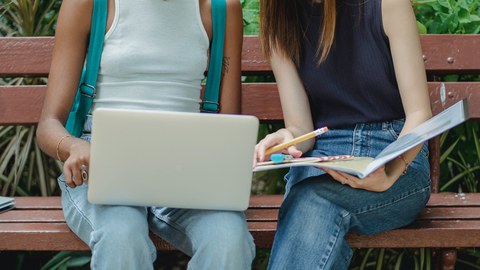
{"x": 446, "y": 259}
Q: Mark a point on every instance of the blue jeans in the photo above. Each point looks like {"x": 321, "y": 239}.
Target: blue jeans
{"x": 119, "y": 235}
{"x": 318, "y": 211}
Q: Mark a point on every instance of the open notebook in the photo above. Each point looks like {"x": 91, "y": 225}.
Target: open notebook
{"x": 363, "y": 166}
{"x": 184, "y": 160}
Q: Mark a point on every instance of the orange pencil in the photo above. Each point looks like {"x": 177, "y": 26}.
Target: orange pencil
{"x": 299, "y": 139}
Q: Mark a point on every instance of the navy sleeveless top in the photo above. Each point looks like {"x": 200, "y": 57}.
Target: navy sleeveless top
{"x": 356, "y": 83}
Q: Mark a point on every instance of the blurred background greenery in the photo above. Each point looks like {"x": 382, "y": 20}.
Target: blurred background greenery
{"x": 26, "y": 171}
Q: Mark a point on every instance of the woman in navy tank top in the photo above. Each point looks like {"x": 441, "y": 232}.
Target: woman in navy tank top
{"x": 356, "y": 67}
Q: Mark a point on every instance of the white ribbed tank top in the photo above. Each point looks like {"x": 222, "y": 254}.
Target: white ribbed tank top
{"x": 154, "y": 56}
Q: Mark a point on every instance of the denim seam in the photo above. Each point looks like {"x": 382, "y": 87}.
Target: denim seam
{"x": 393, "y": 132}
{"x": 402, "y": 197}
{"x": 78, "y": 208}
{"x": 334, "y": 240}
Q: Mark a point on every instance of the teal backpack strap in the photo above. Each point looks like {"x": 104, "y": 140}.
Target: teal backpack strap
{"x": 211, "y": 96}
{"x": 95, "y": 47}
{"x": 88, "y": 82}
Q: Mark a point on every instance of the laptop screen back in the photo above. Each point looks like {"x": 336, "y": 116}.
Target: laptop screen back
{"x": 182, "y": 160}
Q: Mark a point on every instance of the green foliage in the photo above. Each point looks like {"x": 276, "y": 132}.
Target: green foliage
{"x": 250, "y": 16}
{"x": 24, "y": 169}
{"x": 460, "y": 160}
{"x": 28, "y": 17}
{"x": 391, "y": 259}
{"x": 448, "y": 16}
{"x": 68, "y": 260}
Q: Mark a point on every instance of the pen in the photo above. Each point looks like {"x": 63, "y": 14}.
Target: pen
{"x": 299, "y": 139}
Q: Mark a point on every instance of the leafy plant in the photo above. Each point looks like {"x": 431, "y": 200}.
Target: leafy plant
{"x": 460, "y": 155}
{"x": 449, "y": 16}
{"x": 67, "y": 260}
{"x": 251, "y": 19}
{"x": 391, "y": 259}
{"x": 24, "y": 169}
{"x": 28, "y": 17}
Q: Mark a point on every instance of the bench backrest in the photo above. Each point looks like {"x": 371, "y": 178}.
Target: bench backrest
{"x": 443, "y": 54}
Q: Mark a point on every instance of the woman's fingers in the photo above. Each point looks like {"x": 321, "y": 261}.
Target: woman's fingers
{"x": 294, "y": 152}
{"x": 269, "y": 141}
{"x": 77, "y": 176}
{"x": 67, "y": 173}
{"x": 343, "y": 178}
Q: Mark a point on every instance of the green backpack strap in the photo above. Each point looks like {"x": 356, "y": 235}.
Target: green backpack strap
{"x": 212, "y": 90}
{"x": 88, "y": 82}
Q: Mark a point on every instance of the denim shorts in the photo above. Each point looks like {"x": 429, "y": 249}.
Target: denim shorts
{"x": 366, "y": 139}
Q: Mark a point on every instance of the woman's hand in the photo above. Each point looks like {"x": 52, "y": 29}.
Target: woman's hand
{"x": 75, "y": 167}
{"x": 281, "y": 136}
{"x": 377, "y": 181}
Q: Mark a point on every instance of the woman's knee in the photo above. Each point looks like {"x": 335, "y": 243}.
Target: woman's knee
{"x": 122, "y": 228}
{"x": 227, "y": 233}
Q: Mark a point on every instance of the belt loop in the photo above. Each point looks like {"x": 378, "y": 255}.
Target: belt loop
{"x": 386, "y": 125}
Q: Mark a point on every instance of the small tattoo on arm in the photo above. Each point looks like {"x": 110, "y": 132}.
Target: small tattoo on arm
{"x": 225, "y": 65}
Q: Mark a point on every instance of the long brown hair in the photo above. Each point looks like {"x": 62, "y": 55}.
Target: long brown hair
{"x": 281, "y": 28}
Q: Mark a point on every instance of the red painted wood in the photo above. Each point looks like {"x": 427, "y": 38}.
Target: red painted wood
{"x": 444, "y": 199}
{"x": 36, "y": 203}
{"x": 454, "y": 199}
{"x": 450, "y": 213}
{"x": 450, "y": 220}
{"x": 22, "y": 56}
{"x": 57, "y": 236}
{"x": 33, "y": 216}
{"x": 443, "y": 54}
{"x": 414, "y": 238}
{"x": 452, "y": 54}
{"x": 453, "y": 93}
{"x": 21, "y": 105}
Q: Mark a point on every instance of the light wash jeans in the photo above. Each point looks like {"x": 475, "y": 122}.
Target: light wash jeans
{"x": 318, "y": 211}
{"x": 119, "y": 235}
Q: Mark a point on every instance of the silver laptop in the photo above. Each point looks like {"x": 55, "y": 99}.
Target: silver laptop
{"x": 172, "y": 159}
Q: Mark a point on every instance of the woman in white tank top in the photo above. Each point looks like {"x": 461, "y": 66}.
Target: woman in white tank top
{"x": 154, "y": 57}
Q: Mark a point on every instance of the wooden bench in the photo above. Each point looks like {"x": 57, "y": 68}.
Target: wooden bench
{"x": 450, "y": 221}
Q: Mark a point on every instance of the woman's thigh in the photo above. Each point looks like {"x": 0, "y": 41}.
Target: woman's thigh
{"x": 374, "y": 212}
{"x": 188, "y": 229}
{"x": 84, "y": 218}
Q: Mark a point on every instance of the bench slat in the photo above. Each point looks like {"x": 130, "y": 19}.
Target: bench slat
{"x": 252, "y": 215}
{"x": 22, "y": 104}
{"x": 450, "y": 213}
{"x": 38, "y": 203}
{"x": 32, "y": 216}
{"x": 442, "y": 53}
{"x": 457, "y": 54}
{"x": 261, "y": 201}
{"x": 454, "y": 199}
{"x": 438, "y": 235}
{"x": 56, "y": 216}
{"x": 38, "y": 236}
{"x": 23, "y": 56}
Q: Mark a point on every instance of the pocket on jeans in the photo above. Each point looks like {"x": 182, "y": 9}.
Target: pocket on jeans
{"x": 395, "y": 128}
{"x": 424, "y": 150}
